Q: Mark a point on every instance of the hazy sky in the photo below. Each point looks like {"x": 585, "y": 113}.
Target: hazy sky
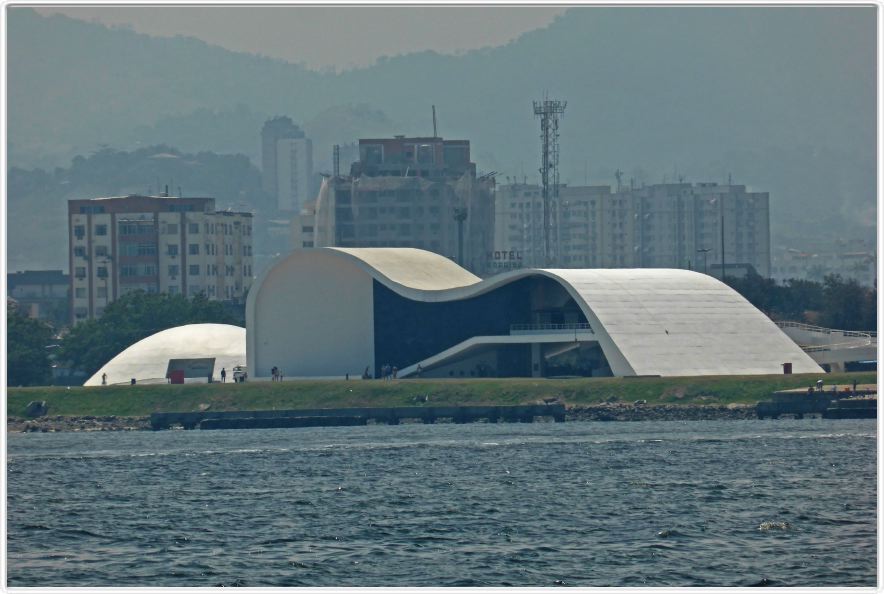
{"x": 328, "y": 37}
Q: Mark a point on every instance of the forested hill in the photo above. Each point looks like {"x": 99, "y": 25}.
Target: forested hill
{"x": 37, "y": 233}
{"x": 781, "y": 98}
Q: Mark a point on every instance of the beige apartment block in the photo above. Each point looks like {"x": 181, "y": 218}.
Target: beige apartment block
{"x": 158, "y": 244}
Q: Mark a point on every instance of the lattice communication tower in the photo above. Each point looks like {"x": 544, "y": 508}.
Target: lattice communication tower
{"x": 549, "y": 111}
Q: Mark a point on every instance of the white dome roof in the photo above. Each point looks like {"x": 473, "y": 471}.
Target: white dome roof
{"x": 148, "y": 359}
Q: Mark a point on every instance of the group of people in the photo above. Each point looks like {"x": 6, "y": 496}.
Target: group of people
{"x": 276, "y": 374}
{"x": 389, "y": 372}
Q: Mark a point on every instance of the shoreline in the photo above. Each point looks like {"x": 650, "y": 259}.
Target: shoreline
{"x": 618, "y": 412}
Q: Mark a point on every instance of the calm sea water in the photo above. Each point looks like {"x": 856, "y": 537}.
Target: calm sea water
{"x": 731, "y": 503}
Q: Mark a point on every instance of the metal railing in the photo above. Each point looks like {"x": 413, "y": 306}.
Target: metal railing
{"x": 819, "y": 348}
{"x": 557, "y": 327}
{"x": 821, "y": 330}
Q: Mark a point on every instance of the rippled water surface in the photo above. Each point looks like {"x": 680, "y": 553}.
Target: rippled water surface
{"x": 730, "y": 503}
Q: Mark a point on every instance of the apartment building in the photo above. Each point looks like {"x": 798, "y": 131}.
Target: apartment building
{"x": 158, "y": 244}
{"x": 286, "y": 163}
{"x": 418, "y": 192}
{"x": 41, "y": 294}
{"x": 657, "y": 226}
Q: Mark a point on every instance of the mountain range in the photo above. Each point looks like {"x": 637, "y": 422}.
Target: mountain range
{"x": 782, "y": 99}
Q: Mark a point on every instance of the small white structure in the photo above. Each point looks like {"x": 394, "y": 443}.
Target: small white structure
{"x": 148, "y": 359}
{"x": 333, "y": 311}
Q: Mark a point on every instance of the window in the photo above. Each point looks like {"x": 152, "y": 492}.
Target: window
{"x": 102, "y": 292}
{"x": 307, "y": 229}
{"x": 193, "y": 227}
{"x": 80, "y": 251}
{"x": 101, "y": 251}
{"x": 147, "y": 249}
{"x": 80, "y": 293}
{"x": 172, "y": 250}
{"x": 128, "y": 270}
{"x": 101, "y": 229}
{"x": 173, "y": 270}
{"x": 171, "y": 229}
{"x": 173, "y": 289}
{"x": 193, "y": 249}
{"x": 136, "y": 228}
{"x": 79, "y": 231}
{"x": 194, "y": 270}
{"x": 80, "y": 272}
{"x": 102, "y": 272}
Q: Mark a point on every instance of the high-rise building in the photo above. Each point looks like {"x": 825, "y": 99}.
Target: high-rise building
{"x": 406, "y": 192}
{"x": 656, "y": 226}
{"x": 294, "y": 173}
{"x": 158, "y": 244}
{"x": 286, "y": 163}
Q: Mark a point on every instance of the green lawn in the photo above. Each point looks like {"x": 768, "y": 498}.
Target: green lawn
{"x": 143, "y": 400}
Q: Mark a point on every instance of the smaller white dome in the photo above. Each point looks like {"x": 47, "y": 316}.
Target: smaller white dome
{"x": 148, "y": 359}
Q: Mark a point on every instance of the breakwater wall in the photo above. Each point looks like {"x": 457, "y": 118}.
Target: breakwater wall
{"x": 354, "y": 416}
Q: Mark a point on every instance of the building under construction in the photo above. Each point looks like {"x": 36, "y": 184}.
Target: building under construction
{"x": 406, "y": 192}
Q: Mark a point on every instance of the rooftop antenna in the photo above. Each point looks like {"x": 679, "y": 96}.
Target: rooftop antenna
{"x": 619, "y": 175}
{"x": 435, "y": 135}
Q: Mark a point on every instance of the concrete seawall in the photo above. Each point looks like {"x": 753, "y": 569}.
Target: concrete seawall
{"x": 355, "y": 416}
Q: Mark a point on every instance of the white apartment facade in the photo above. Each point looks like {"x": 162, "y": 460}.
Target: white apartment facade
{"x": 658, "y": 226}
{"x": 157, "y": 244}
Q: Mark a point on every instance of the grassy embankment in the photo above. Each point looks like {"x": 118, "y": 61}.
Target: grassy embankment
{"x": 143, "y": 400}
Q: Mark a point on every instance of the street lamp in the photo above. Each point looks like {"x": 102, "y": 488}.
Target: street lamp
{"x": 704, "y": 251}
{"x": 460, "y": 215}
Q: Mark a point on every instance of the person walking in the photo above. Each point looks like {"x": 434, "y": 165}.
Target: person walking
{"x": 104, "y": 380}
{"x": 223, "y": 376}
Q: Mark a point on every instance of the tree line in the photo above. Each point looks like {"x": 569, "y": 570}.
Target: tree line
{"x": 834, "y": 303}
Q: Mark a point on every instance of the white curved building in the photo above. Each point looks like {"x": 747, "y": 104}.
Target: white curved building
{"x": 334, "y": 311}
{"x": 195, "y": 349}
